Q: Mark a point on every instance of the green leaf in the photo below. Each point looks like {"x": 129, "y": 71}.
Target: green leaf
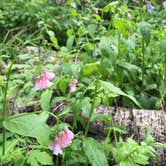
{"x": 91, "y": 68}
{"x": 53, "y": 39}
{"x": 145, "y": 29}
{"x": 98, "y": 18}
{"x": 70, "y": 42}
{"x": 45, "y": 100}
{"x": 31, "y": 125}
{"x": 70, "y": 32}
{"x": 38, "y": 157}
{"x": 121, "y": 25}
{"x": 129, "y": 66}
{"x": 163, "y": 46}
{"x": 118, "y": 91}
{"x": 108, "y": 7}
{"x": 9, "y": 146}
{"x": 149, "y": 139}
{"x": 104, "y": 46}
{"x": 94, "y": 152}
{"x": 63, "y": 84}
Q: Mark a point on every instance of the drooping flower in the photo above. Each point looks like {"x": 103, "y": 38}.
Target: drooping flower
{"x": 62, "y": 141}
{"x": 43, "y": 82}
{"x": 149, "y": 7}
{"x": 128, "y": 15}
{"x": 48, "y": 74}
{"x": 73, "y": 85}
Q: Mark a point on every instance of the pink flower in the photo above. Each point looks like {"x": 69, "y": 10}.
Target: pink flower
{"x": 48, "y": 74}
{"x": 128, "y": 15}
{"x": 43, "y": 82}
{"x": 63, "y": 141}
{"x": 73, "y": 85}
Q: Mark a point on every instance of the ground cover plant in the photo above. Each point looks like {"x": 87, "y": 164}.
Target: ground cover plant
{"x": 59, "y": 60}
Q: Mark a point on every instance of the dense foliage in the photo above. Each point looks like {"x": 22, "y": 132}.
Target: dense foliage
{"x": 77, "y": 55}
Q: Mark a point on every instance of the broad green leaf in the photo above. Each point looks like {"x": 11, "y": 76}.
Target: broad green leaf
{"x": 70, "y": 32}
{"x": 121, "y": 25}
{"x": 145, "y": 29}
{"x": 66, "y": 68}
{"x": 118, "y": 91}
{"x": 92, "y": 29}
{"x": 38, "y": 157}
{"x": 129, "y": 66}
{"x": 91, "y": 68}
{"x": 108, "y": 7}
{"x": 9, "y": 146}
{"x": 104, "y": 45}
{"x": 63, "y": 84}
{"x": 53, "y": 39}
{"x": 31, "y": 125}
{"x": 45, "y": 100}
{"x": 94, "y": 152}
{"x": 163, "y": 46}
{"x": 98, "y": 18}
{"x": 70, "y": 42}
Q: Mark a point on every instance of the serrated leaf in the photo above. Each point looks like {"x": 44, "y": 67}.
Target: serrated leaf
{"x": 45, "y": 100}
{"x": 31, "y": 125}
{"x": 38, "y": 157}
{"x": 94, "y": 152}
{"x": 9, "y": 146}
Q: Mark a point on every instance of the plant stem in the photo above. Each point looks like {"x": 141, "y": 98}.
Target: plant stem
{"x": 56, "y": 164}
{"x": 119, "y": 49}
{"x": 165, "y": 68}
{"x": 143, "y": 62}
{"x": 91, "y": 110}
{"x": 4, "y": 108}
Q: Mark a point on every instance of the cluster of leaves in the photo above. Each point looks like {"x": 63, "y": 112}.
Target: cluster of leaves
{"x": 116, "y": 60}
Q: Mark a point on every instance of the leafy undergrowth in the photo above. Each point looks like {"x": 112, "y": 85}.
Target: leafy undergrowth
{"x": 59, "y": 59}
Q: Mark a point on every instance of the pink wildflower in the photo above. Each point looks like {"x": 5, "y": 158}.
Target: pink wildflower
{"x": 128, "y": 15}
{"x": 48, "y": 74}
{"x": 73, "y": 85}
{"x": 43, "y": 82}
{"x": 63, "y": 141}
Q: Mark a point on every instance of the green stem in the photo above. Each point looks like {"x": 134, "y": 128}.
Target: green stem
{"x": 165, "y": 68}
{"x": 143, "y": 62}
{"x": 119, "y": 50}
{"x": 114, "y": 133}
{"x": 56, "y": 164}
{"x": 91, "y": 110}
{"x": 4, "y": 108}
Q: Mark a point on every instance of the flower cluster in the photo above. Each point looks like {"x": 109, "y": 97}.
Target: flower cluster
{"x": 62, "y": 141}
{"x": 43, "y": 82}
